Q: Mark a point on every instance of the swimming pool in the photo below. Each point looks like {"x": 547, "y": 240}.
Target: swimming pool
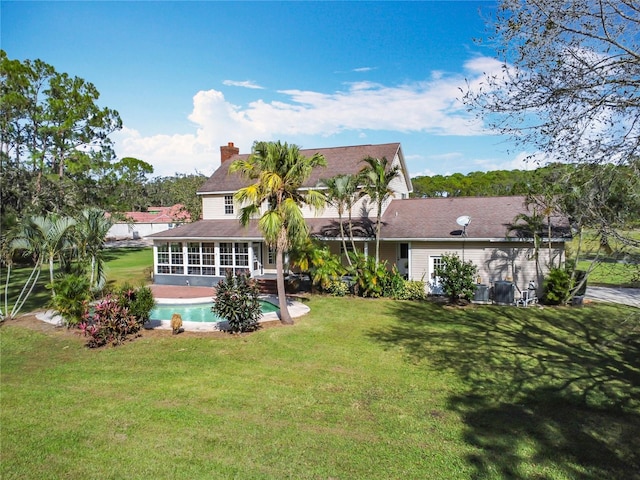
{"x": 197, "y": 312}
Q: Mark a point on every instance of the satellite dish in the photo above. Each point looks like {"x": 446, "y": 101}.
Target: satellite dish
{"x": 464, "y": 220}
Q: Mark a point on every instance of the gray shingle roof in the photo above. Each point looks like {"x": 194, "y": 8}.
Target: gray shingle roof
{"x": 432, "y": 218}
{"x": 211, "y": 229}
{"x": 340, "y": 160}
{"x": 418, "y": 218}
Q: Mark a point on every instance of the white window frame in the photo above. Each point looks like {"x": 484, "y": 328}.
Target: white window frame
{"x": 237, "y": 253}
{"x": 170, "y": 258}
{"x": 229, "y": 207}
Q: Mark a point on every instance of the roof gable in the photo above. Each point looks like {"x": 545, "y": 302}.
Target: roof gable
{"x": 340, "y": 160}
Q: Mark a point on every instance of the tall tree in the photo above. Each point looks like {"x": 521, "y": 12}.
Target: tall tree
{"x": 10, "y": 309}
{"x": 569, "y": 82}
{"x": 129, "y": 177}
{"x": 179, "y": 189}
{"x": 278, "y": 170}
{"x": 340, "y": 194}
{"x": 377, "y": 176}
{"x": 52, "y": 128}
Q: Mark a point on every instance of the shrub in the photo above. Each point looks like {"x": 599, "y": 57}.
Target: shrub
{"x": 117, "y": 316}
{"x": 337, "y": 288}
{"x": 370, "y": 277}
{"x": 110, "y": 323}
{"x": 72, "y": 297}
{"x": 457, "y": 277}
{"x": 413, "y": 290}
{"x": 237, "y": 302}
{"x": 393, "y": 284}
{"x": 556, "y": 287}
{"x": 139, "y": 301}
{"x": 325, "y": 269}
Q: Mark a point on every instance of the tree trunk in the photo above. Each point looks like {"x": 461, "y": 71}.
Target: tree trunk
{"x": 353, "y": 243}
{"x": 344, "y": 240}
{"x": 93, "y": 268}
{"x": 378, "y": 221}
{"x": 53, "y": 292}
{"x": 549, "y": 232}
{"x": 285, "y": 316}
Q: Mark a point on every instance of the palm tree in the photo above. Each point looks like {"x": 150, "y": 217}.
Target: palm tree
{"x": 7, "y": 250}
{"x": 351, "y": 197}
{"x": 530, "y": 226}
{"x": 45, "y": 238}
{"x": 377, "y": 176}
{"x": 279, "y": 170}
{"x": 339, "y": 196}
{"x": 91, "y": 230}
{"x": 545, "y": 205}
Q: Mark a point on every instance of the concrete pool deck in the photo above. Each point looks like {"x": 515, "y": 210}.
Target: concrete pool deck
{"x": 171, "y": 294}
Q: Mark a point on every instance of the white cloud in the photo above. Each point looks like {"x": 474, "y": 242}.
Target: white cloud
{"x": 483, "y": 65}
{"x": 244, "y": 84}
{"x": 363, "y": 69}
{"x": 428, "y": 107}
{"x": 427, "y": 172}
{"x": 521, "y": 161}
{"x": 169, "y": 154}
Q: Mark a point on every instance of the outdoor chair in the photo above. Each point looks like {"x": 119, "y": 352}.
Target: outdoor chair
{"x": 528, "y": 296}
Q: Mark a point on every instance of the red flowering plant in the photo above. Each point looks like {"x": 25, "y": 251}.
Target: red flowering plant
{"x": 117, "y": 316}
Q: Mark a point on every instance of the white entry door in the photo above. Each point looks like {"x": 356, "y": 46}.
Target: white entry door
{"x": 257, "y": 259}
{"x": 435, "y": 286}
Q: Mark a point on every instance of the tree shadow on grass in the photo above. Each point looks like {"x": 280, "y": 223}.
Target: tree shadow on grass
{"x": 546, "y": 390}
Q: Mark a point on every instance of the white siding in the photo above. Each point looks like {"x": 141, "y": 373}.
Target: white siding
{"x": 213, "y": 208}
{"x": 328, "y": 211}
{"x": 213, "y": 204}
{"x": 398, "y": 185}
{"x": 360, "y": 208}
{"x": 495, "y": 261}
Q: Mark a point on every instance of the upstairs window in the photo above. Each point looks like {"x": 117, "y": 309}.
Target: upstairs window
{"x": 228, "y": 204}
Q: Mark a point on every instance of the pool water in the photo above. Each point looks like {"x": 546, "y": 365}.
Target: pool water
{"x": 196, "y": 312}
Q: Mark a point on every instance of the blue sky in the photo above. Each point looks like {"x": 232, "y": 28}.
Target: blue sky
{"x": 187, "y": 77}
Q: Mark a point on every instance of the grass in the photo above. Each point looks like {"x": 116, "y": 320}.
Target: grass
{"x": 612, "y": 274}
{"x": 617, "y": 269}
{"x": 131, "y": 265}
{"x": 357, "y": 389}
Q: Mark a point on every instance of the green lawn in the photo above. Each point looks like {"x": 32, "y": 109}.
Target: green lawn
{"x": 133, "y": 265}
{"x": 614, "y": 270}
{"x": 357, "y": 389}
{"x": 610, "y": 274}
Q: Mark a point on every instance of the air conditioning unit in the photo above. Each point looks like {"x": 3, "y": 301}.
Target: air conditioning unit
{"x": 504, "y": 293}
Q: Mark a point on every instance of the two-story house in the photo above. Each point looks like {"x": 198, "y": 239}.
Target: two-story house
{"x": 415, "y": 232}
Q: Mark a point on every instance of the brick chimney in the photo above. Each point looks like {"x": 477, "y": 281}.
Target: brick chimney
{"x": 228, "y": 151}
